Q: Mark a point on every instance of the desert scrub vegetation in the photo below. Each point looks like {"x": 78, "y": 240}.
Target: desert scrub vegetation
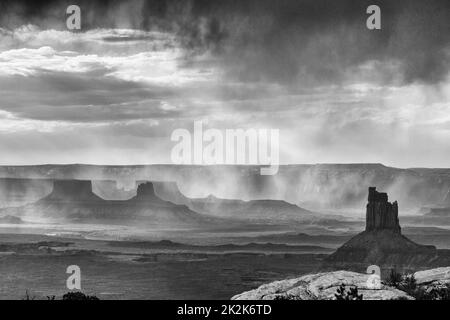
{"x": 73, "y": 295}
{"x": 394, "y": 279}
{"x": 343, "y": 294}
{"x": 76, "y": 295}
{"x": 408, "y": 284}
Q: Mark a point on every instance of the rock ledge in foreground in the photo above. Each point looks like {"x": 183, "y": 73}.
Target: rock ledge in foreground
{"x": 321, "y": 286}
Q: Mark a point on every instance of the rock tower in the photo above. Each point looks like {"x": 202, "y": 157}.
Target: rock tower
{"x": 380, "y": 213}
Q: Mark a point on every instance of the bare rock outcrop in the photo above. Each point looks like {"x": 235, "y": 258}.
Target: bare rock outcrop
{"x": 321, "y": 286}
{"x": 433, "y": 277}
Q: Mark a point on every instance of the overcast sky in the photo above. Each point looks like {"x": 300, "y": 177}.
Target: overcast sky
{"x": 114, "y": 92}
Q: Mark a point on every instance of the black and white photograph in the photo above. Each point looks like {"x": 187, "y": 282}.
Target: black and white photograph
{"x": 225, "y": 150}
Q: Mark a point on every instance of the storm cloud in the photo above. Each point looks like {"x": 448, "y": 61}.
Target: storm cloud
{"x": 139, "y": 69}
{"x": 289, "y": 41}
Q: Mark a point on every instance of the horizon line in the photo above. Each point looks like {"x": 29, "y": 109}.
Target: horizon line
{"x": 217, "y": 165}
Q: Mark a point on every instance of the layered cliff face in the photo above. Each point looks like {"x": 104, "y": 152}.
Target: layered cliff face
{"x": 381, "y": 214}
{"x": 74, "y": 201}
{"x": 382, "y": 243}
{"x": 312, "y": 186}
{"x": 253, "y": 210}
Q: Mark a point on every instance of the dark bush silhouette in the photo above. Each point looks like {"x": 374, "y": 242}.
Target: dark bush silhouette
{"x": 408, "y": 283}
{"x": 395, "y": 278}
{"x": 73, "y": 295}
{"x": 287, "y": 297}
{"x": 78, "y": 296}
{"x": 28, "y": 296}
{"x": 438, "y": 293}
{"x": 351, "y": 294}
{"x": 441, "y": 293}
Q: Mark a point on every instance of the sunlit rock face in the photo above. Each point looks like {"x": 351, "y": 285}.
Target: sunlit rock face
{"x": 321, "y": 286}
{"x": 380, "y": 213}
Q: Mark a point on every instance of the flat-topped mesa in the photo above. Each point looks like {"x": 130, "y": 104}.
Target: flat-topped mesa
{"x": 75, "y": 189}
{"x": 380, "y": 213}
{"x": 72, "y": 190}
{"x": 146, "y": 192}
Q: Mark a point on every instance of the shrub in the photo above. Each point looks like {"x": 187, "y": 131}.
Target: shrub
{"x": 73, "y": 295}
{"x": 351, "y": 294}
{"x": 287, "y": 297}
{"x": 78, "y": 296}
{"x": 409, "y": 285}
{"x": 437, "y": 293}
{"x": 28, "y": 296}
{"x": 395, "y": 278}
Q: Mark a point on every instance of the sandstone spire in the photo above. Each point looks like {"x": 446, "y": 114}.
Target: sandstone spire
{"x": 380, "y": 213}
{"x": 381, "y": 243}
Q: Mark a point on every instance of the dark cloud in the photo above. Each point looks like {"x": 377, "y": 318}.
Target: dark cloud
{"x": 337, "y": 91}
{"x": 293, "y": 42}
